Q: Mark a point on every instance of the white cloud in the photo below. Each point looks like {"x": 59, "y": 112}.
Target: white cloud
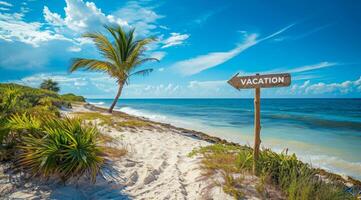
{"x": 13, "y": 27}
{"x": 24, "y": 10}
{"x": 302, "y": 35}
{"x": 81, "y": 16}
{"x": 81, "y": 83}
{"x": 304, "y": 77}
{"x": 342, "y": 88}
{"x": 203, "y": 62}
{"x": 207, "y": 84}
{"x": 60, "y": 30}
{"x": 52, "y": 18}
{"x": 4, "y": 3}
{"x": 158, "y": 55}
{"x": 312, "y": 67}
{"x": 174, "y": 39}
{"x": 142, "y": 17}
{"x": 164, "y": 27}
{"x": 305, "y": 68}
{"x": 74, "y": 49}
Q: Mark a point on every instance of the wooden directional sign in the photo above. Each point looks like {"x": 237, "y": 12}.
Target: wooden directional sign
{"x": 258, "y": 82}
{"x": 261, "y": 81}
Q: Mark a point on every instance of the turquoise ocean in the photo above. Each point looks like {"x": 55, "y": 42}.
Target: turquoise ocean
{"x": 323, "y": 132}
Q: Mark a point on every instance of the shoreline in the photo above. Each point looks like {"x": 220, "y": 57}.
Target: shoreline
{"x": 347, "y": 180}
{"x": 157, "y": 165}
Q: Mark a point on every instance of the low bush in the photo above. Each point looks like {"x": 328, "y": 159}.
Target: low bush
{"x": 72, "y": 98}
{"x": 55, "y": 147}
{"x": 297, "y": 180}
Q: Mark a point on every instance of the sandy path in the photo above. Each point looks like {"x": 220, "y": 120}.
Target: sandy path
{"x": 156, "y": 167}
{"x": 159, "y": 168}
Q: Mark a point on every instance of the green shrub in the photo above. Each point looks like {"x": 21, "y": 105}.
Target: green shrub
{"x": 16, "y": 98}
{"x": 297, "y": 180}
{"x": 12, "y": 100}
{"x": 63, "y": 148}
{"x": 72, "y": 97}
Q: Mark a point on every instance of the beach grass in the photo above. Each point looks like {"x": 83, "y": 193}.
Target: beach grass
{"x": 91, "y": 116}
{"x": 133, "y": 123}
{"x": 296, "y": 180}
{"x": 116, "y": 122}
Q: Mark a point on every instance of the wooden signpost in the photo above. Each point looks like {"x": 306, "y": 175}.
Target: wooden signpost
{"x": 258, "y": 82}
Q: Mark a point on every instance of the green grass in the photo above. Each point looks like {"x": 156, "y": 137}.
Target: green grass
{"x": 296, "y": 180}
{"x": 133, "y": 123}
{"x": 109, "y": 121}
{"x": 90, "y": 116}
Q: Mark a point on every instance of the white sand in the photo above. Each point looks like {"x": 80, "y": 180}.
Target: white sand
{"x": 156, "y": 167}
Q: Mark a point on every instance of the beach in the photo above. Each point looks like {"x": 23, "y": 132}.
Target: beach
{"x": 322, "y": 132}
{"x": 157, "y": 166}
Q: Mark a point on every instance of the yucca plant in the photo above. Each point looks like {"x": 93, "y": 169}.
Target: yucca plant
{"x": 123, "y": 56}
{"x": 67, "y": 150}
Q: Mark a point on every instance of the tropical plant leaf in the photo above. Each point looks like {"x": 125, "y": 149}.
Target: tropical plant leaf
{"x": 122, "y": 55}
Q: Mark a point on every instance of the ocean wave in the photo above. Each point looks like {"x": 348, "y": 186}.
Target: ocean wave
{"x": 334, "y": 164}
{"x": 139, "y": 113}
{"x": 190, "y": 123}
{"x": 97, "y": 103}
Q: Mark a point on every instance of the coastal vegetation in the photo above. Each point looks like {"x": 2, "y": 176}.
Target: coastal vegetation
{"x": 123, "y": 55}
{"x": 51, "y": 85}
{"x": 37, "y": 140}
{"x": 296, "y": 180}
{"x": 108, "y": 120}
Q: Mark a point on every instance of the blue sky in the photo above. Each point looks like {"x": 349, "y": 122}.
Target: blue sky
{"x": 201, "y": 44}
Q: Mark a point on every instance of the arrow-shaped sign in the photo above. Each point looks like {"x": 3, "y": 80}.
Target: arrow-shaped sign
{"x": 260, "y": 81}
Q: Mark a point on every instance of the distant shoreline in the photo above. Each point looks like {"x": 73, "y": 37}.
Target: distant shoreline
{"x": 263, "y": 98}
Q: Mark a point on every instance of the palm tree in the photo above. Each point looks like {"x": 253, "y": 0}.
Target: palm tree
{"x": 50, "y": 85}
{"x": 122, "y": 56}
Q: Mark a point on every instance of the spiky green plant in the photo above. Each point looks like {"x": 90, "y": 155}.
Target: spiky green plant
{"x": 12, "y": 100}
{"x": 51, "y": 85}
{"x": 123, "y": 56}
{"x": 67, "y": 149}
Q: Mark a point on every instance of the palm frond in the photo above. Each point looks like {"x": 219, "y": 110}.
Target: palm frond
{"x": 119, "y": 45}
{"x": 123, "y": 55}
{"x": 143, "y": 72}
{"x": 90, "y": 64}
{"x": 137, "y": 51}
{"x": 144, "y": 60}
{"x": 104, "y": 46}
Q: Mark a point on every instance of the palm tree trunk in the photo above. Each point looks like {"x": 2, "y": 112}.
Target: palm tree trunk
{"x": 116, "y": 97}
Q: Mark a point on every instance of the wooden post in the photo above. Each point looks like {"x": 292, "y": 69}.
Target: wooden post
{"x": 257, "y": 128}
{"x": 258, "y": 82}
